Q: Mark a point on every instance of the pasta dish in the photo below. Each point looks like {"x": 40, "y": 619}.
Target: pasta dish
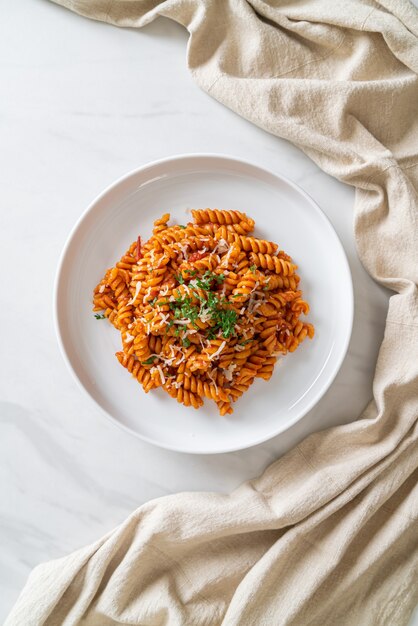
{"x": 203, "y": 308}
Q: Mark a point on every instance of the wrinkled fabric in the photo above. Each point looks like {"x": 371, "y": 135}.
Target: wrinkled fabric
{"x": 328, "y": 535}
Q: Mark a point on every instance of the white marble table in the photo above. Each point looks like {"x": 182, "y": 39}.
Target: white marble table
{"x": 82, "y": 103}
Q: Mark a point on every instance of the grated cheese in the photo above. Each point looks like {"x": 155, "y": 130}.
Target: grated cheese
{"x": 161, "y": 260}
{"x": 222, "y": 246}
{"x": 218, "y": 351}
{"x": 161, "y": 374}
{"x": 210, "y": 376}
{"x": 239, "y": 348}
{"x": 204, "y": 315}
{"x": 228, "y": 372}
{"x": 146, "y": 295}
{"x": 137, "y": 289}
{"x": 225, "y": 259}
{"x": 164, "y": 317}
{"x": 183, "y": 248}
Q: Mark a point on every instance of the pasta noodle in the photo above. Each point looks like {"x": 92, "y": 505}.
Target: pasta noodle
{"x": 204, "y": 309}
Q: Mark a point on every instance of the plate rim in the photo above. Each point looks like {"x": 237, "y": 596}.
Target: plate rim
{"x": 166, "y": 160}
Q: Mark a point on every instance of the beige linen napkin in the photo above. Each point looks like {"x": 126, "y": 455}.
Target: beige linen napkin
{"x": 329, "y": 534}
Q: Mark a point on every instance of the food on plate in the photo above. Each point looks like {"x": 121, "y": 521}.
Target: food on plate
{"x": 203, "y": 308}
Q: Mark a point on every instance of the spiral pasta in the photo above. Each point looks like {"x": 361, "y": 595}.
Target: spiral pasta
{"x": 203, "y": 309}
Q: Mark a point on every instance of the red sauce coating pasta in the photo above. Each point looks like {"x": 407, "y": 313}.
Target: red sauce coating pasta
{"x": 204, "y": 309}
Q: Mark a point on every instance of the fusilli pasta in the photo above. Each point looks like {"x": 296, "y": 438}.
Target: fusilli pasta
{"x": 203, "y": 309}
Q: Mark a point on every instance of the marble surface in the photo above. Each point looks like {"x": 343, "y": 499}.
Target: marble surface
{"x": 82, "y": 103}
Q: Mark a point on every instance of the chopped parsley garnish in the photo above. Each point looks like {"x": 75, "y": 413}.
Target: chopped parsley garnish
{"x": 182, "y": 226}
{"x": 253, "y": 268}
{"x": 149, "y": 361}
{"x": 212, "y": 307}
{"x": 226, "y": 320}
{"x": 100, "y": 316}
{"x": 223, "y": 319}
{"x": 206, "y": 281}
{"x": 183, "y": 308}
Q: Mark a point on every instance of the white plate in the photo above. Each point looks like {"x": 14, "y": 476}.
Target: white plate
{"x": 284, "y": 214}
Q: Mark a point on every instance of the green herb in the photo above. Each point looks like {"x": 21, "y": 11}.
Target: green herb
{"x": 212, "y": 305}
{"x": 179, "y": 278}
{"x": 153, "y": 301}
{"x": 191, "y": 272}
{"x": 100, "y": 316}
{"x": 226, "y": 320}
{"x": 253, "y": 268}
{"x": 186, "y": 342}
{"x": 265, "y": 288}
{"x": 223, "y": 319}
{"x": 212, "y": 300}
{"x": 182, "y": 226}
{"x": 244, "y": 343}
{"x": 205, "y": 281}
{"x": 184, "y": 308}
{"x": 149, "y": 361}
{"x": 211, "y": 334}
{"x": 237, "y": 295}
